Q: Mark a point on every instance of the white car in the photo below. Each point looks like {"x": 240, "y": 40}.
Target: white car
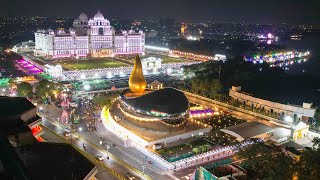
{"x": 99, "y": 157}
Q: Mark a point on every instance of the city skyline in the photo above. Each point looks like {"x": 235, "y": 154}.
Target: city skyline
{"x": 249, "y": 11}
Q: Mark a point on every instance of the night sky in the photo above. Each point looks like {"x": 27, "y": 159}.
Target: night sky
{"x": 251, "y": 11}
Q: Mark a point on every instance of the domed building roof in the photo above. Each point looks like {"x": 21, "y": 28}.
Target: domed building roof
{"x": 83, "y": 17}
{"x": 98, "y": 16}
{"x": 167, "y": 100}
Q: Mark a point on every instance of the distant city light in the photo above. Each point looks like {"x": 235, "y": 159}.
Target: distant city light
{"x": 121, "y": 74}
{"x": 109, "y": 75}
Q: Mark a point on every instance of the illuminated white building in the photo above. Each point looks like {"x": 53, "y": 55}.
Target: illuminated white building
{"x": 151, "y": 63}
{"x": 93, "y": 37}
{"x": 54, "y": 71}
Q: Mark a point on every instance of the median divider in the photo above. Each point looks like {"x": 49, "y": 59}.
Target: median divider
{"x": 88, "y": 156}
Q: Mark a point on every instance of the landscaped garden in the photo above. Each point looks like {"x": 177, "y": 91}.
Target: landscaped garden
{"x": 185, "y": 150}
{"x": 221, "y": 138}
{"x": 222, "y": 121}
{"x": 89, "y": 63}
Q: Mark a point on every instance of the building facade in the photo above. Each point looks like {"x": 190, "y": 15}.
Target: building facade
{"x": 290, "y": 113}
{"x": 93, "y": 37}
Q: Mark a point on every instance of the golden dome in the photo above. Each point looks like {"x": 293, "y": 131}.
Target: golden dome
{"x": 137, "y": 82}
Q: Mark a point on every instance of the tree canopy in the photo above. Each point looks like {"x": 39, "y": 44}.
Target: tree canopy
{"x": 47, "y": 88}
{"x": 266, "y": 162}
{"x": 308, "y": 166}
{"x": 24, "y": 89}
{"x": 104, "y": 100}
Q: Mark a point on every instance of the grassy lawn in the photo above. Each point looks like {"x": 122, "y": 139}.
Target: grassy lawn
{"x": 89, "y": 63}
{"x": 165, "y": 59}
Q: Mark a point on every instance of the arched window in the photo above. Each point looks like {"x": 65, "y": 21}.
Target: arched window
{"x": 100, "y": 23}
{"x": 100, "y": 31}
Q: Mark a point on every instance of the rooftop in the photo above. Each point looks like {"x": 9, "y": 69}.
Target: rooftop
{"x": 248, "y": 130}
{"x": 12, "y": 127}
{"x": 14, "y": 105}
{"x": 167, "y": 100}
{"x": 54, "y": 161}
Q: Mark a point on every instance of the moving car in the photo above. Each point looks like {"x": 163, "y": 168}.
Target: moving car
{"x": 66, "y": 134}
{"x": 99, "y": 157}
{"x": 130, "y": 176}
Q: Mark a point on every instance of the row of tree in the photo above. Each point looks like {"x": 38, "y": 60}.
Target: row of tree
{"x": 264, "y": 161}
{"x": 103, "y": 99}
{"x": 42, "y": 89}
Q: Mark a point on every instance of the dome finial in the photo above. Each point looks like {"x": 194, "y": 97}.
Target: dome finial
{"x": 98, "y": 16}
{"x": 137, "y": 82}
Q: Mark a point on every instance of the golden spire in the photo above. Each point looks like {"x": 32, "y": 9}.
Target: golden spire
{"x": 137, "y": 82}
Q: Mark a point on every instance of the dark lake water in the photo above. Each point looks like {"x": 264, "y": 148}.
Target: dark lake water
{"x": 311, "y": 43}
{"x": 303, "y": 82}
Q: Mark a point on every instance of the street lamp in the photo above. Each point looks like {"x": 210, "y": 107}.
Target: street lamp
{"x": 82, "y": 76}
{"x": 86, "y": 87}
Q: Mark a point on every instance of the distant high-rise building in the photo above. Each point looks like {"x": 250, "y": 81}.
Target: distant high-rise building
{"x": 89, "y": 37}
